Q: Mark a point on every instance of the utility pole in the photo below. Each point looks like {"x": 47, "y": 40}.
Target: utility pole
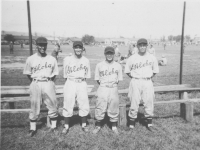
{"x": 182, "y": 42}
{"x": 29, "y": 28}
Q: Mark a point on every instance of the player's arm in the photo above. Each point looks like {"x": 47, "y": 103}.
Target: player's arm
{"x": 152, "y": 78}
{"x": 155, "y": 68}
{"x": 27, "y": 69}
{"x": 128, "y": 68}
{"x": 29, "y": 77}
{"x": 120, "y": 74}
{"x": 53, "y": 78}
{"x": 129, "y": 74}
{"x": 96, "y": 76}
{"x": 98, "y": 82}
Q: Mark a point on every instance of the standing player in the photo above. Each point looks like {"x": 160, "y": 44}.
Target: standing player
{"x": 152, "y": 50}
{"x": 164, "y": 45}
{"x": 108, "y": 73}
{"x": 56, "y": 51}
{"x": 41, "y": 69}
{"x": 11, "y": 47}
{"x": 117, "y": 53}
{"x": 141, "y": 68}
{"x": 76, "y": 70}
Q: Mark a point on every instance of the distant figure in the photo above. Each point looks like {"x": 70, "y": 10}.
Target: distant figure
{"x": 22, "y": 45}
{"x": 152, "y": 50}
{"x": 164, "y": 45}
{"x": 132, "y": 50}
{"x": 163, "y": 61}
{"x": 117, "y": 53}
{"x": 11, "y": 47}
{"x": 56, "y": 51}
{"x": 84, "y": 50}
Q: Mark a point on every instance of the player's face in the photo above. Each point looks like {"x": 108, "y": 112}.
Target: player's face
{"x": 57, "y": 48}
{"x": 142, "y": 48}
{"x": 78, "y": 51}
{"x": 42, "y": 48}
{"x": 109, "y": 56}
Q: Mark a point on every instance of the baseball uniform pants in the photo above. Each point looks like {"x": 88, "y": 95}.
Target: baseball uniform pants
{"x": 43, "y": 91}
{"x": 75, "y": 91}
{"x": 107, "y": 100}
{"x": 141, "y": 91}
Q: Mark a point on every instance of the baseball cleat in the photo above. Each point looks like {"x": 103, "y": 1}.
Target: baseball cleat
{"x": 96, "y": 130}
{"x": 150, "y": 128}
{"x": 31, "y": 133}
{"x": 131, "y": 127}
{"x": 65, "y": 131}
{"x": 115, "y": 131}
{"x": 85, "y": 129}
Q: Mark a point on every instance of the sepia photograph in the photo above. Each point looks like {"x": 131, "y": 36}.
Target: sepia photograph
{"x": 100, "y": 75}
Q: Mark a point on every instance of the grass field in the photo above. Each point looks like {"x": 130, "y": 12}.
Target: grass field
{"x": 171, "y": 131}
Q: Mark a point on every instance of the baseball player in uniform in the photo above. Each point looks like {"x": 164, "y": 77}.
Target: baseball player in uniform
{"x": 152, "y": 50}
{"x": 56, "y": 51}
{"x": 117, "y": 53}
{"x": 108, "y": 73}
{"x": 41, "y": 69}
{"x": 76, "y": 70}
{"x": 141, "y": 68}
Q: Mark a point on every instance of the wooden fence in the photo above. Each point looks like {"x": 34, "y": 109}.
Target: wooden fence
{"x": 12, "y": 94}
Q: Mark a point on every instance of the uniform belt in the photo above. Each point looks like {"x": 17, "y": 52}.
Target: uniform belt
{"x": 42, "y": 80}
{"x": 142, "y": 78}
{"x": 77, "y": 80}
{"x": 109, "y": 86}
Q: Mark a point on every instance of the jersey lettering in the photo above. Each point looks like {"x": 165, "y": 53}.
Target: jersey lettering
{"x": 75, "y": 69}
{"x": 141, "y": 65}
{"x": 106, "y": 73}
{"x": 38, "y": 67}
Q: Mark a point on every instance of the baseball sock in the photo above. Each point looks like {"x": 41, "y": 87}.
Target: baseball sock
{"x": 149, "y": 121}
{"x": 33, "y": 125}
{"x": 83, "y": 119}
{"x": 53, "y": 122}
{"x": 67, "y": 119}
{"x": 132, "y": 123}
{"x": 98, "y": 123}
{"x": 114, "y": 125}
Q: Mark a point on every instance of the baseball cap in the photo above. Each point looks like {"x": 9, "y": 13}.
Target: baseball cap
{"x": 77, "y": 43}
{"x": 109, "y": 49}
{"x": 142, "y": 40}
{"x": 41, "y": 40}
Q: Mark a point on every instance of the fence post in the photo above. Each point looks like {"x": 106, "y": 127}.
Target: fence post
{"x": 186, "y": 109}
{"x": 122, "y": 115}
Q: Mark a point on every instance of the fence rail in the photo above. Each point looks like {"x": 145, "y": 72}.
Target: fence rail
{"x": 186, "y": 104}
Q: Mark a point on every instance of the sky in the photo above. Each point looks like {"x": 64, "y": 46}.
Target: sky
{"x": 103, "y": 18}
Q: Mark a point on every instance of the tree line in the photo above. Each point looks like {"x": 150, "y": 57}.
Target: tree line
{"x": 177, "y": 38}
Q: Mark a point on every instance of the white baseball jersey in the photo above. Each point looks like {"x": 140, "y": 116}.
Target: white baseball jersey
{"x": 108, "y": 74}
{"x": 75, "y": 68}
{"x": 41, "y": 67}
{"x": 142, "y": 66}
